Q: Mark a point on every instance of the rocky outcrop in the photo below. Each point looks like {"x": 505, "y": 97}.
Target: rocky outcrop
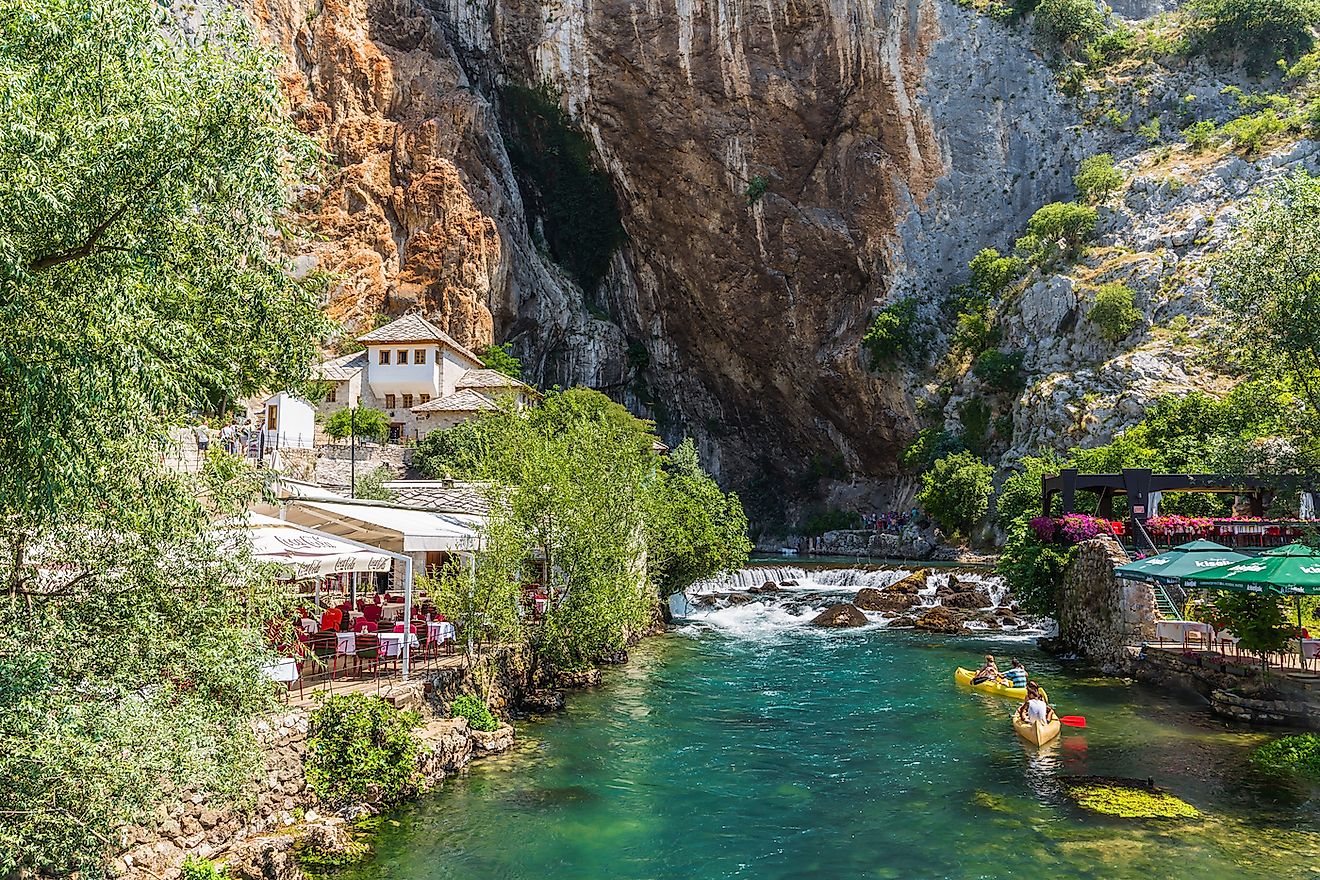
{"x": 911, "y": 543}
{"x": 1099, "y": 615}
{"x": 941, "y": 620}
{"x": 840, "y": 616}
{"x": 870, "y": 599}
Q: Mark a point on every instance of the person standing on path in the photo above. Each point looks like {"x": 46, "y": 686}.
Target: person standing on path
{"x": 203, "y": 435}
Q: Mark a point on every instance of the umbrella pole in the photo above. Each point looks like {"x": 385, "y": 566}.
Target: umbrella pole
{"x": 1301, "y": 649}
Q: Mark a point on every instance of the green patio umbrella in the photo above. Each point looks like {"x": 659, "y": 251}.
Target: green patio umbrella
{"x": 1293, "y": 570}
{"x": 1175, "y": 564}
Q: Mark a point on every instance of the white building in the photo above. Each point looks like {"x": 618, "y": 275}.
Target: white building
{"x": 289, "y": 423}
{"x": 420, "y": 376}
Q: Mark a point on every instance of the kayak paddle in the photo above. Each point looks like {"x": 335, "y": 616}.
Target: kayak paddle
{"x": 1073, "y": 720}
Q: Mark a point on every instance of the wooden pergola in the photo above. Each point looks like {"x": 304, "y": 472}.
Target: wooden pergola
{"x": 1137, "y": 484}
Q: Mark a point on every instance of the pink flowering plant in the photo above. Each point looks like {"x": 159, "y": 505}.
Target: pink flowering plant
{"x": 1071, "y": 528}
{"x": 1174, "y": 524}
{"x": 1045, "y": 528}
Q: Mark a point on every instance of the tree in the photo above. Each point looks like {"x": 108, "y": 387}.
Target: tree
{"x": 1265, "y": 31}
{"x": 1097, "y": 178}
{"x": 137, "y": 281}
{"x": 1020, "y": 494}
{"x": 368, "y": 423}
{"x": 1057, "y": 232}
{"x": 956, "y": 491}
{"x": 371, "y": 486}
{"x": 1033, "y": 569}
{"x": 1069, "y": 22}
{"x": 929, "y": 445}
{"x": 1268, "y": 285}
{"x": 1114, "y": 311}
{"x": 891, "y": 332}
{"x": 498, "y": 358}
{"x": 1259, "y": 620}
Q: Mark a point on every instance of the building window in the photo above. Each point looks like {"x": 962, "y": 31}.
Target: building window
{"x": 389, "y": 401}
{"x": 403, "y": 356}
{"x": 419, "y": 356}
{"x": 330, "y": 395}
{"x": 384, "y": 356}
{"x": 426, "y": 398}
{"x": 407, "y": 401}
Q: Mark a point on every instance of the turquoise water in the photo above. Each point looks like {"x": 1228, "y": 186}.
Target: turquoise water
{"x": 790, "y": 753}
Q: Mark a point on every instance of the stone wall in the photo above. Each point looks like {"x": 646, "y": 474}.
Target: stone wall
{"x": 1099, "y": 614}
{"x": 257, "y": 840}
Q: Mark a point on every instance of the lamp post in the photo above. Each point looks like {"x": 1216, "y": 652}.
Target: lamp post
{"x": 352, "y": 450}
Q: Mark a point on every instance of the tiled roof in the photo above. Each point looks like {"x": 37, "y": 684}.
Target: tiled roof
{"x": 443, "y": 496}
{"x": 460, "y": 401}
{"x": 414, "y": 328}
{"x": 341, "y": 368}
{"x": 491, "y": 379}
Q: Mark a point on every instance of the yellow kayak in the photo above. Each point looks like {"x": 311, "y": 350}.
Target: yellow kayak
{"x": 1036, "y": 732}
{"x": 964, "y": 676}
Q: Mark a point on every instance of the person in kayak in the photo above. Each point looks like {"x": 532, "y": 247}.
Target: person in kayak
{"x": 1036, "y": 707}
{"x": 1017, "y": 674}
{"x": 988, "y": 672}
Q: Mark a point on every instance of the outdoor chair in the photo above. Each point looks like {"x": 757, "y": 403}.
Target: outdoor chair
{"x": 368, "y": 653}
{"x": 325, "y": 648}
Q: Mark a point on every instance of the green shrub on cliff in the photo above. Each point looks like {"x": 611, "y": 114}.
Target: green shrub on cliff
{"x": 1000, "y": 370}
{"x": 1057, "y": 232}
{"x": 930, "y": 445}
{"x": 1097, "y": 178}
{"x": 361, "y": 746}
{"x": 501, "y": 360}
{"x": 891, "y": 333}
{"x": 1261, "y": 31}
{"x": 1070, "y": 23}
{"x": 956, "y": 491}
{"x": 1114, "y": 312}
{"x": 475, "y": 711}
{"x": 195, "y": 868}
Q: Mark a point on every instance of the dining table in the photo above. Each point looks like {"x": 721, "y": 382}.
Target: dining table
{"x": 391, "y": 643}
{"x": 440, "y": 631}
{"x": 1179, "y": 630}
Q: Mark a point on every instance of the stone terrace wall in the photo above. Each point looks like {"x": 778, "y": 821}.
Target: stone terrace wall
{"x": 1099, "y": 614}
{"x": 258, "y": 842}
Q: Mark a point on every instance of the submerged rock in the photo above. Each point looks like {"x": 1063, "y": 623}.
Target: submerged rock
{"x": 845, "y": 614}
{"x": 905, "y": 622}
{"x": 741, "y": 599}
{"x": 940, "y": 619}
{"x": 543, "y": 700}
{"x": 870, "y": 599}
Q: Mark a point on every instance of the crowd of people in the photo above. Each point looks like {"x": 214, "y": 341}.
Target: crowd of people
{"x": 890, "y": 521}
{"x": 234, "y": 437}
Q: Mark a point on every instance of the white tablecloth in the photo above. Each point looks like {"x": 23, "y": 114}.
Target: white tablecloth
{"x": 1176, "y": 630}
{"x": 393, "y": 643}
{"x": 1310, "y": 648}
{"x": 391, "y": 611}
{"x": 347, "y": 643}
{"x": 284, "y": 670}
{"x": 309, "y": 625}
{"x": 440, "y": 631}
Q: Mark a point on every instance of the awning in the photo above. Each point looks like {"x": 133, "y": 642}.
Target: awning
{"x": 1292, "y": 570}
{"x": 307, "y": 553}
{"x": 391, "y": 528}
{"x": 1181, "y": 561}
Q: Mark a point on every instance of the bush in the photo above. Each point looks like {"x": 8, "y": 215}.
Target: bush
{"x": 1298, "y": 754}
{"x": 1000, "y": 370}
{"x": 973, "y": 333}
{"x": 992, "y": 272}
{"x": 1248, "y": 134}
{"x": 498, "y": 358}
{"x": 1057, "y": 231}
{"x": 371, "y": 486}
{"x": 831, "y": 520}
{"x": 891, "y": 332}
{"x": 1019, "y": 494}
{"x": 1033, "y": 569}
{"x": 1121, "y": 42}
{"x": 974, "y": 414}
{"x": 756, "y": 187}
{"x": 475, "y": 711}
{"x": 1200, "y": 135}
{"x": 956, "y": 491}
{"x": 930, "y": 445}
{"x": 368, "y": 423}
{"x": 1264, "y": 31}
{"x": 195, "y": 868}
{"x": 361, "y": 746}
{"x": 1097, "y": 178}
{"x": 1114, "y": 312}
{"x": 1065, "y": 22}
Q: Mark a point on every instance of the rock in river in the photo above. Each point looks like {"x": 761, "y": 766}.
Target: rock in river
{"x": 912, "y": 583}
{"x": 842, "y": 615}
{"x": 940, "y": 619}
{"x": 967, "y": 599}
{"x": 869, "y": 599}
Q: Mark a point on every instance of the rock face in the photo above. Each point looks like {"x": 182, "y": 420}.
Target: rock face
{"x": 840, "y": 616}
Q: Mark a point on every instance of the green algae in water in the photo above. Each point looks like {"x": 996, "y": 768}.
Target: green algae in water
{"x": 1128, "y": 800}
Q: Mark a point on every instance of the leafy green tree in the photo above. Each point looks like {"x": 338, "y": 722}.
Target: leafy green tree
{"x": 973, "y": 332}
{"x": 137, "y": 281}
{"x": 1259, "y": 620}
{"x": 361, "y": 746}
{"x": 1268, "y": 284}
{"x": 892, "y": 332}
{"x": 1114, "y": 311}
{"x": 927, "y": 447}
{"x": 1097, "y": 178}
{"x": 1069, "y": 22}
{"x": 371, "y": 486}
{"x": 1263, "y": 31}
{"x": 991, "y": 272}
{"x": 366, "y": 422}
{"x": 1020, "y": 494}
{"x": 1000, "y": 370}
{"x": 1033, "y": 569}
{"x": 974, "y": 415}
{"x": 1057, "y": 232}
{"x": 956, "y": 491}
{"x": 499, "y": 358}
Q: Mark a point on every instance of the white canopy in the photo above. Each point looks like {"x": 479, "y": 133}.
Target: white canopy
{"x": 409, "y": 531}
{"x": 308, "y": 553}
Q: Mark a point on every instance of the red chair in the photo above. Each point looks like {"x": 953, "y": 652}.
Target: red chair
{"x": 365, "y": 626}
{"x": 372, "y": 613}
{"x": 332, "y": 619}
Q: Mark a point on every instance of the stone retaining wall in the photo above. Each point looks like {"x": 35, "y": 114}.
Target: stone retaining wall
{"x": 258, "y": 842}
{"x": 1099, "y": 614}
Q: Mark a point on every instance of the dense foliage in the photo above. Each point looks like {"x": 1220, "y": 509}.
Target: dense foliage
{"x": 1019, "y": 494}
{"x": 1069, "y": 22}
{"x": 1262, "y": 31}
{"x": 565, "y": 185}
{"x": 137, "y": 281}
{"x": 1000, "y": 370}
{"x": 956, "y": 491}
{"x": 930, "y": 445}
{"x": 891, "y": 333}
{"x": 1033, "y": 569}
{"x": 578, "y": 484}
{"x": 499, "y": 358}
{"x": 1259, "y": 620}
{"x": 1056, "y": 232}
{"x": 1097, "y": 178}
{"x": 829, "y": 520}
{"x": 475, "y": 711}
{"x": 361, "y": 746}
{"x": 1114, "y": 311}
{"x": 363, "y": 421}
{"x": 371, "y": 485}
{"x": 1299, "y": 754}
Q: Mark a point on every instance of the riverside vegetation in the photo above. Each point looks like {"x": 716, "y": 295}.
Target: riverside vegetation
{"x": 139, "y": 280}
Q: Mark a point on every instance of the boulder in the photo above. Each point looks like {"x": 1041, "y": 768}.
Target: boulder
{"x": 911, "y": 584}
{"x": 543, "y": 700}
{"x": 903, "y": 622}
{"x": 845, "y": 614}
{"x": 869, "y": 599}
{"x": 264, "y": 858}
{"x": 977, "y": 598}
{"x": 582, "y": 678}
{"x": 740, "y": 599}
{"x": 788, "y": 583}
{"x": 940, "y": 619}
{"x": 769, "y": 587}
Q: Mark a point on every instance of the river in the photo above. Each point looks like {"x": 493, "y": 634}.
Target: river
{"x": 745, "y": 744}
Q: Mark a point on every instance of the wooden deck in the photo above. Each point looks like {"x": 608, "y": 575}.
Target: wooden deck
{"x": 348, "y": 681}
